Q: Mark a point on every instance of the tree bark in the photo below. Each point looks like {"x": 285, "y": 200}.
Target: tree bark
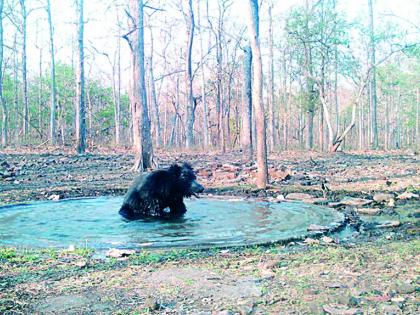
{"x": 372, "y": 81}
{"x": 219, "y": 95}
{"x": 80, "y": 93}
{"x": 25, "y": 126}
{"x": 219, "y": 75}
{"x": 145, "y": 156}
{"x": 153, "y": 95}
{"x": 117, "y": 91}
{"x": 53, "y": 105}
{"x": 2, "y": 100}
{"x": 40, "y": 90}
{"x": 206, "y": 138}
{"x": 246, "y": 138}
{"x": 253, "y": 29}
{"x": 417, "y": 133}
{"x": 15, "y": 77}
{"x": 174, "y": 121}
{"x": 271, "y": 117}
{"x": 190, "y": 97}
{"x": 337, "y": 105}
{"x": 387, "y": 123}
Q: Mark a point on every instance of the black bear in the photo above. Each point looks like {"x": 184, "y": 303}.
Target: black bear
{"x": 150, "y": 194}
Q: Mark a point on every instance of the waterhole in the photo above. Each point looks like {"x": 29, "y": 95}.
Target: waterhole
{"x": 95, "y": 223}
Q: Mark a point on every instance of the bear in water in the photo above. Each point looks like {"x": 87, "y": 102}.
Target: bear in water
{"x": 151, "y": 193}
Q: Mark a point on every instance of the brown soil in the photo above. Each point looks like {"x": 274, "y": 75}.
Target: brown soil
{"x": 36, "y": 176}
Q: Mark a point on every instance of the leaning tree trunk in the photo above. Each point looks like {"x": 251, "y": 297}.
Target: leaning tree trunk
{"x": 2, "y": 100}
{"x": 190, "y": 97}
{"x": 253, "y": 29}
{"x": 246, "y": 138}
{"x": 80, "y": 93}
{"x": 53, "y": 83}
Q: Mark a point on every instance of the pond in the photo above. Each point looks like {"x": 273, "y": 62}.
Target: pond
{"x": 95, "y": 223}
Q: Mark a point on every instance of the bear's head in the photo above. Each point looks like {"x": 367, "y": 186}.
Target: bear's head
{"x": 186, "y": 180}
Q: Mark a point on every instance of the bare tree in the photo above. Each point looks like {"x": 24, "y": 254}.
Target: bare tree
{"x": 2, "y": 100}
{"x": 40, "y": 85}
{"x": 206, "y": 139}
{"x": 253, "y": 29}
{"x": 142, "y": 140}
{"x": 372, "y": 80}
{"x": 53, "y": 83}
{"x": 190, "y": 96}
{"x": 271, "y": 117}
{"x": 153, "y": 95}
{"x": 25, "y": 125}
{"x": 417, "y": 132}
{"x": 80, "y": 82}
{"x": 246, "y": 138}
{"x": 117, "y": 89}
{"x": 222, "y": 7}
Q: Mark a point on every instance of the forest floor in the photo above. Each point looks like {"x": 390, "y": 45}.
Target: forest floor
{"x": 376, "y": 272}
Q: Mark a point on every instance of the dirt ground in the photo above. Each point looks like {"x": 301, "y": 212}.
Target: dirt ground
{"x": 29, "y": 176}
{"x": 377, "y": 273}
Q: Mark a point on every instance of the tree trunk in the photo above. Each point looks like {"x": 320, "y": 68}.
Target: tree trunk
{"x": 174, "y": 121}
{"x": 284, "y": 101}
{"x": 134, "y": 81}
{"x": 80, "y": 93}
{"x": 153, "y": 96}
{"x": 361, "y": 135}
{"x": 271, "y": 125}
{"x": 53, "y": 105}
{"x": 337, "y": 142}
{"x": 397, "y": 119}
{"x": 219, "y": 98}
{"x": 387, "y": 100}
{"x": 310, "y": 132}
{"x": 15, "y": 78}
{"x": 206, "y": 140}
{"x": 24, "y": 71}
{"x": 246, "y": 138}
{"x": 144, "y": 156}
{"x": 337, "y": 105}
{"x": 89, "y": 110}
{"x": 40, "y": 91}
{"x": 117, "y": 91}
{"x": 190, "y": 97}
{"x": 2, "y": 100}
{"x": 417, "y": 133}
{"x": 372, "y": 81}
{"x": 257, "y": 100}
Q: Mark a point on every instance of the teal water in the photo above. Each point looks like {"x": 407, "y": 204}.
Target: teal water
{"x": 95, "y": 222}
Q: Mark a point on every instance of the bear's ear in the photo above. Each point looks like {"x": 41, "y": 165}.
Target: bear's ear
{"x": 175, "y": 169}
{"x": 186, "y": 165}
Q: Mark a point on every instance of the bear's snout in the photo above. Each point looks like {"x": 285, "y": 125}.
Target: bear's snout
{"x": 196, "y": 187}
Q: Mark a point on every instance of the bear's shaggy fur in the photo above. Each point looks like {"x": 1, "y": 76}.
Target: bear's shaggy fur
{"x": 150, "y": 194}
